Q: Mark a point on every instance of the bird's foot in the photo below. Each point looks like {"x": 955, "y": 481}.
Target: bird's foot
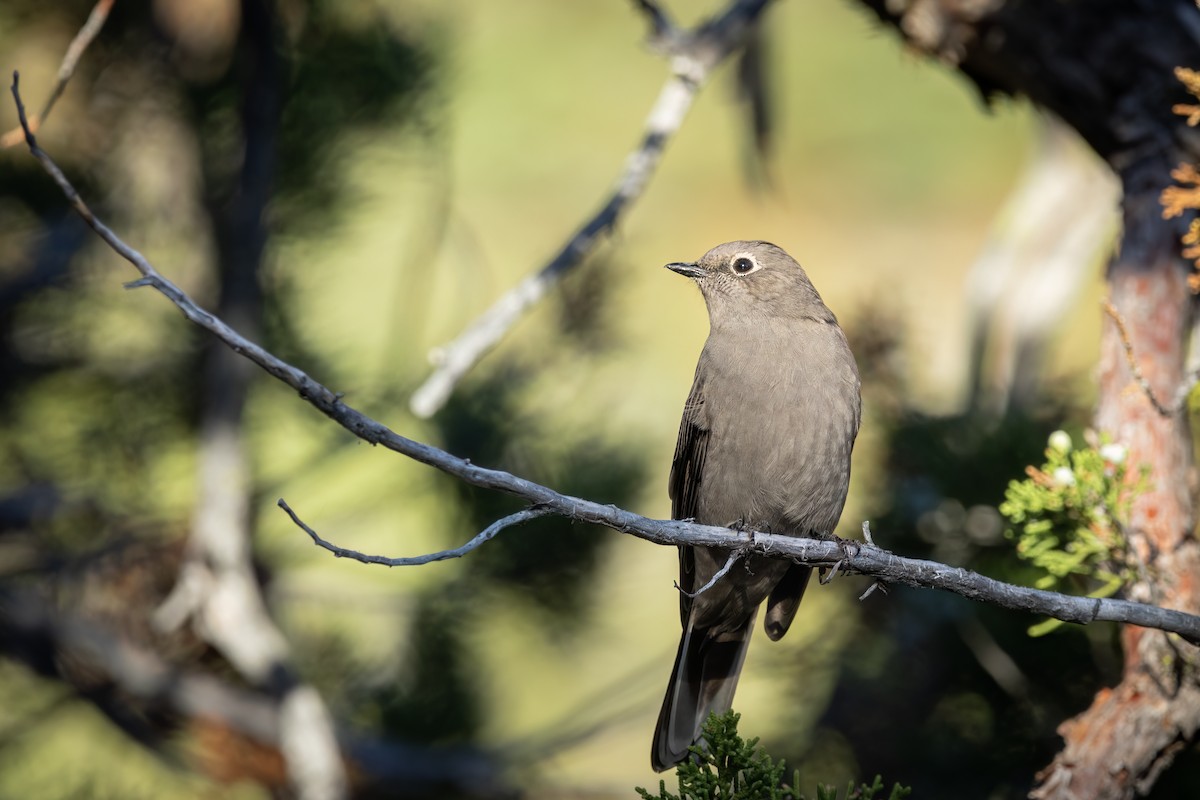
{"x": 849, "y": 547}
{"x": 741, "y": 526}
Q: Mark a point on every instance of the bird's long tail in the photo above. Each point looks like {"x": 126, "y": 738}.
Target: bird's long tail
{"x": 703, "y": 680}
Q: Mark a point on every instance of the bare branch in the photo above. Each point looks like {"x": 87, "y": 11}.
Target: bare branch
{"x": 862, "y": 559}
{"x": 1041, "y": 244}
{"x": 693, "y": 57}
{"x": 410, "y": 561}
{"x": 66, "y": 69}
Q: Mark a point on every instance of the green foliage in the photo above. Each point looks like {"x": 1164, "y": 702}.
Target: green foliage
{"x": 733, "y": 768}
{"x": 1068, "y": 518}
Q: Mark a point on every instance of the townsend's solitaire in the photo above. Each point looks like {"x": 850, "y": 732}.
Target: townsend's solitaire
{"x": 764, "y": 444}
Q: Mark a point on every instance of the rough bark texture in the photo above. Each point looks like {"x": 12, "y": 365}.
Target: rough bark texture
{"x": 1106, "y": 68}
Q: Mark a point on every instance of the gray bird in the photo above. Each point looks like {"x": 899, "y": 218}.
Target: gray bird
{"x": 764, "y": 444}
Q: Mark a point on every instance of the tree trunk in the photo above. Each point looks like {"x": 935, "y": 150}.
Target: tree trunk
{"x": 217, "y": 583}
{"x": 1106, "y": 68}
{"x": 1118, "y": 747}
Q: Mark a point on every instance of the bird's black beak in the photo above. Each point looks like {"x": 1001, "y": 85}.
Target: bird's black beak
{"x": 687, "y": 270}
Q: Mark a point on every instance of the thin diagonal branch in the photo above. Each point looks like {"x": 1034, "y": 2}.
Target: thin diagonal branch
{"x": 863, "y": 559}
{"x": 410, "y": 561}
{"x": 694, "y": 55}
{"x": 1181, "y": 393}
{"x": 66, "y": 69}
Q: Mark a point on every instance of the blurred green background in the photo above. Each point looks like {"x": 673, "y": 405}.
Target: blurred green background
{"x": 430, "y": 155}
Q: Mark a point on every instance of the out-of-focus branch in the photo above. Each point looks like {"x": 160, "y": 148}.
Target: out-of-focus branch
{"x": 863, "y": 559}
{"x": 662, "y": 29}
{"x": 32, "y": 631}
{"x": 693, "y": 56}
{"x": 217, "y": 588}
{"x": 31, "y": 625}
{"x": 1043, "y": 243}
{"x": 66, "y": 69}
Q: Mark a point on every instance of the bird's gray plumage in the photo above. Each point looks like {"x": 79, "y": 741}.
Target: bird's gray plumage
{"x": 765, "y": 443}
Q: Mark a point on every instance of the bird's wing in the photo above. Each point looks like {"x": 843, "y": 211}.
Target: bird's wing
{"x": 687, "y": 467}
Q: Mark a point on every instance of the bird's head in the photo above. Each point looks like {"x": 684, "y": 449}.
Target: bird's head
{"x": 741, "y": 280}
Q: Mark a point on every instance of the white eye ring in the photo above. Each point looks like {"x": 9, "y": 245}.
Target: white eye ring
{"x": 742, "y": 265}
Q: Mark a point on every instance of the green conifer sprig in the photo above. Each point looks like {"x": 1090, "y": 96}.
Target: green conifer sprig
{"x": 733, "y": 768}
{"x": 1068, "y": 518}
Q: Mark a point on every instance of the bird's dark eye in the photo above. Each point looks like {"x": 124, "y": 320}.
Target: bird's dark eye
{"x": 742, "y": 265}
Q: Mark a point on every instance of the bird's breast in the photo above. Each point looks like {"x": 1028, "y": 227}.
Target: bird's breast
{"x": 784, "y": 413}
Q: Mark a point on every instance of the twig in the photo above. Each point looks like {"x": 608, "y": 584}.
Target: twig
{"x": 1185, "y": 387}
{"x": 734, "y": 555}
{"x": 866, "y": 560}
{"x": 412, "y": 561}
{"x": 827, "y": 578}
{"x": 694, "y": 55}
{"x": 66, "y": 69}
{"x": 875, "y": 586}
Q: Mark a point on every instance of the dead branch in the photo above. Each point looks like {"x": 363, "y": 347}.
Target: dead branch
{"x": 694, "y": 54}
{"x": 488, "y": 533}
{"x": 857, "y": 558}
